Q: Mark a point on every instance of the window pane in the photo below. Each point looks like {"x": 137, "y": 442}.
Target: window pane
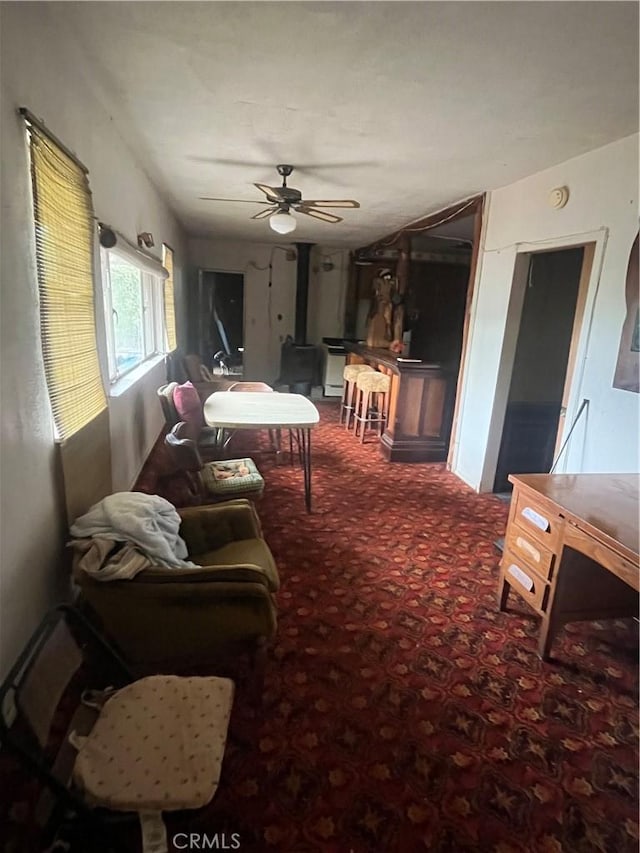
{"x": 149, "y": 315}
{"x": 126, "y": 302}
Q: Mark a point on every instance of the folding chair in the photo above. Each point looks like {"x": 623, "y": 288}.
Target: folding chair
{"x": 71, "y": 712}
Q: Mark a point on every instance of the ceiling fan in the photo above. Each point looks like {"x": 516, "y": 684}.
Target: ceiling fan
{"x": 282, "y": 200}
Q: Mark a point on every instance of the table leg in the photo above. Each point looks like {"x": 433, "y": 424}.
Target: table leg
{"x": 548, "y": 630}
{"x": 305, "y": 446}
{"x": 503, "y": 593}
{"x": 227, "y": 435}
{"x": 220, "y": 441}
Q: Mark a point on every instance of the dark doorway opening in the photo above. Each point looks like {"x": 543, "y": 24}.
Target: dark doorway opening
{"x": 220, "y": 318}
{"x": 549, "y": 323}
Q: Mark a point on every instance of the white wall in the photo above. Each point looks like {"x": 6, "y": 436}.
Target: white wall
{"x": 270, "y": 312}
{"x": 42, "y": 70}
{"x": 603, "y": 205}
{"x": 327, "y": 293}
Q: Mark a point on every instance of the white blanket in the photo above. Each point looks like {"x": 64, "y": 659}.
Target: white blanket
{"x": 149, "y": 522}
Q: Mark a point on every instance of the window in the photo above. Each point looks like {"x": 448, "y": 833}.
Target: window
{"x": 63, "y": 218}
{"x": 169, "y": 298}
{"x": 133, "y": 310}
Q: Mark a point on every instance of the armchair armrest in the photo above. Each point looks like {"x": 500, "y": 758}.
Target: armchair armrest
{"x": 180, "y": 624}
{"x": 237, "y": 574}
{"x": 206, "y": 528}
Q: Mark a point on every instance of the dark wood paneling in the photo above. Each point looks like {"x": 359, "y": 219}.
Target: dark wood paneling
{"x": 437, "y": 295}
{"x": 433, "y": 411}
{"x": 528, "y": 440}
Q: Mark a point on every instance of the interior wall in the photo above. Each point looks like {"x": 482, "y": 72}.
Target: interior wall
{"x": 270, "y": 311}
{"x": 327, "y": 293}
{"x": 603, "y": 204}
{"x": 41, "y": 70}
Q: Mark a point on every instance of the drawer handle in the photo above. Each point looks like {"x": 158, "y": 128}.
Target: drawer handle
{"x": 535, "y": 518}
{"x": 528, "y": 548}
{"x": 520, "y": 576}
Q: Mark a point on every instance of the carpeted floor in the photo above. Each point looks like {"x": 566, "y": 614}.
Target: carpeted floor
{"x": 402, "y": 712}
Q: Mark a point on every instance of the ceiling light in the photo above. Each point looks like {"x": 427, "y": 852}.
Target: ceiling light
{"x": 283, "y": 223}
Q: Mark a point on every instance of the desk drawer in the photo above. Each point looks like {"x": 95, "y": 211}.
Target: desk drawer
{"x": 528, "y": 549}
{"x": 537, "y": 519}
{"x": 525, "y": 581}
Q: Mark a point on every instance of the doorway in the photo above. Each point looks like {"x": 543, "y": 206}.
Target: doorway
{"x": 220, "y": 318}
{"x": 544, "y": 355}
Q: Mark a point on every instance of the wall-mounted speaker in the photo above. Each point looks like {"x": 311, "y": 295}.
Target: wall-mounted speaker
{"x": 107, "y": 236}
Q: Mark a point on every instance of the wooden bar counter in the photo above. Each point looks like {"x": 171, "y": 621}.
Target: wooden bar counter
{"x": 420, "y": 406}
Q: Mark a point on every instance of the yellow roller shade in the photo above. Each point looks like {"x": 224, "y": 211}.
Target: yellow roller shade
{"x": 169, "y": 298}
{"x": 63, "y": 215}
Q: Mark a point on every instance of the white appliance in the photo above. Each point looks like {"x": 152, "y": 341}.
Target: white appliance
{"x": 335, "y": 358}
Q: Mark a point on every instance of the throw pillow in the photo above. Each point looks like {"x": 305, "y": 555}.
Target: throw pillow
{"x": 188, "y": 405}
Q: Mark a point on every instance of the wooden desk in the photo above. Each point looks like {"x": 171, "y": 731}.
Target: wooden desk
{"x": 571, "y": 548}
{"x": 257, "y": 410}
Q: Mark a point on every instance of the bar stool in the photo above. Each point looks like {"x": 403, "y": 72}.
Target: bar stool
{"x": 349, "y": 374}
{"x": 371, "y": 401}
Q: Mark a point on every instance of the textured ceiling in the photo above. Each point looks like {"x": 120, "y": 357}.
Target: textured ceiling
{"x": 406, "y": 107}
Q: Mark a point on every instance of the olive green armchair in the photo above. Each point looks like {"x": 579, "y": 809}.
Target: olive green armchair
{"x": 169, "y": 619}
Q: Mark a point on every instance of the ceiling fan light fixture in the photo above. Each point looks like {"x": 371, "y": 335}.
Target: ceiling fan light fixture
{"x": 283, "y": 223}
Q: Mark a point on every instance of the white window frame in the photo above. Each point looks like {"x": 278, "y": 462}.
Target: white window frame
{"x": 153, "y": 326}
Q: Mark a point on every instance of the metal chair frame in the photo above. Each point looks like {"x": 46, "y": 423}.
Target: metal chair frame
{"x": 18, "y": 736}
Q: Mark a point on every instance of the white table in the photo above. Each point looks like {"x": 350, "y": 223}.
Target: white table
{"x": 257, "y": 410}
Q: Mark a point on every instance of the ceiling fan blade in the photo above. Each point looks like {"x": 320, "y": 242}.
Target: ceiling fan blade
{"x": 270, "y": 192}
{"x": 332, "y": 202}
{"x": 319, "y": 214}
{"x": 266, "y": 213}
{"x": 236, "y": 200}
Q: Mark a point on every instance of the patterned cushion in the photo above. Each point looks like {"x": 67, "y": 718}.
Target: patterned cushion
{"x": 157, "y": 744}
{"x": 373, "y": 381}
{"x": 351, "y": 371}
{"x": 232, "y": 475}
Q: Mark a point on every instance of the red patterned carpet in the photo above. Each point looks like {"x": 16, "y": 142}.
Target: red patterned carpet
{"x": 402, "y": 712}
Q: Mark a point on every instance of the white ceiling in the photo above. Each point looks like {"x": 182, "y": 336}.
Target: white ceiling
{"x": 406, "y": 107}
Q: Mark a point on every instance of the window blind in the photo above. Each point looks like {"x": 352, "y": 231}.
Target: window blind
{"x": 169, "y": 298}
{"x": 63, "y": 216}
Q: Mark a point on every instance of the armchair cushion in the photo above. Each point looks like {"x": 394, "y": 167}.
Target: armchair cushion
{"x": 248, "y": 556}
{"x": 206, "y": 528}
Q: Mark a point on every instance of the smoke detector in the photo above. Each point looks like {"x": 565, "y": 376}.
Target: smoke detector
{"x": 558, "y": 197}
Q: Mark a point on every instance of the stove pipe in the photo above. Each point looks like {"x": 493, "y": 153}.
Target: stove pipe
{"x": 302, "y": 291}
